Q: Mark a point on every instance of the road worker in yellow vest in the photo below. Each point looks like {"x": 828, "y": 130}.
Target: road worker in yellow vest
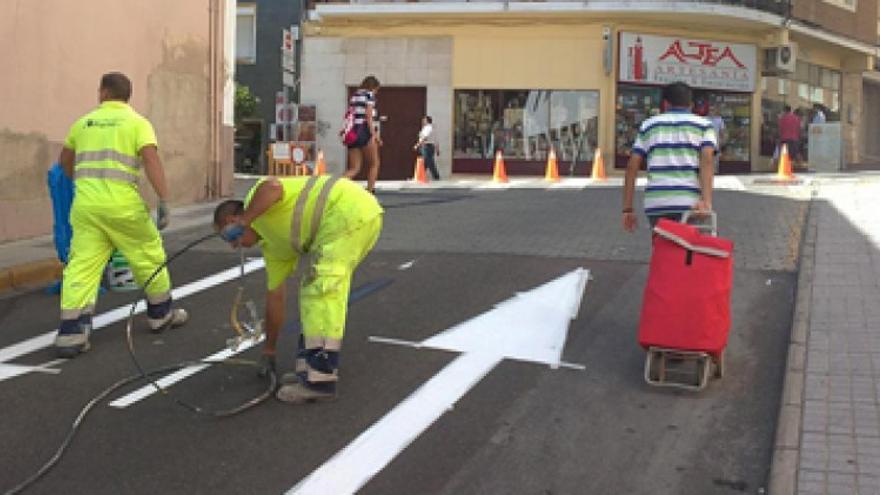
{"x": 335, "y": 223}
{"x": 104, "y": 153}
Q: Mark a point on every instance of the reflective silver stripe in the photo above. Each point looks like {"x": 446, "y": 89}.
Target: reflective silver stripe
{"x": 318, "y": 212}
{"x": 97, "y": 156}
{"x": 296, "y": 223}
{"x": 105, "y": 173}
{"x": 326, "y": 343}
{"x": 72, "y": 314}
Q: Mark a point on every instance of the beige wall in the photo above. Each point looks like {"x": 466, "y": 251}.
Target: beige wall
{"x": 54, "y": 53}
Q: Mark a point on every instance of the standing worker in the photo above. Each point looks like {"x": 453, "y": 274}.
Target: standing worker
{"x": 426, "y": 146}
{"x": 333, "y": 221}
{"x": 103, "y": 153}
{"x": 679, "y": 149}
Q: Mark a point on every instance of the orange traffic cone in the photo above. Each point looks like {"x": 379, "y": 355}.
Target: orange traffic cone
{"x": 598, "y": 166}
{"x": 552, "y": 174}
{"x": 419, "y": 173}
{"x": 320, "y": 166}
{"x": 499, "y": 174}
{"x": 784, "y": 172}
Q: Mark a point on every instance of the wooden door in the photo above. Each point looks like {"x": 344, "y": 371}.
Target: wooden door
{"x": 401, "y": 109}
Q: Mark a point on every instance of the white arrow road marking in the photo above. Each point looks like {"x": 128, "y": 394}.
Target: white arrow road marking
{"x": 531, "y": 326}
{"x": 407, "y": 265}
{"x": 45, "y": 340}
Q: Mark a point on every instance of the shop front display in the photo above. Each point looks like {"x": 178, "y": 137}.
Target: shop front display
{"x": 722, "y": 75}
{"x": 809, "y": 90}
{"x": 524, "y": 125}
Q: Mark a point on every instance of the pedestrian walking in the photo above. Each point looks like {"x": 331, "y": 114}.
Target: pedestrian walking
{"x": 818, "y": 114}
{"x": 104, "y": 153}
{"x": 365, "y": 149}
{"x": 335, "y": 223}
{"x": 790, "y": 125}
{"x": 427, "y": 147}
{"x": 678, "y": 147}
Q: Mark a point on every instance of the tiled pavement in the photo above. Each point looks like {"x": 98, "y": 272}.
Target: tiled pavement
{"x": 840, "y": 427}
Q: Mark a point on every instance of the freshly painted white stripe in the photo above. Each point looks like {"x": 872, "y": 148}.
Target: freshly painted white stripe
{"x": 407, "y": 265}
{"x": 353, "y": 466}
{"x": 510, "y": 330}
{"x": 41, "y": 341}
{"x": 13, "y": 370}
{"x": 167, "y": 381}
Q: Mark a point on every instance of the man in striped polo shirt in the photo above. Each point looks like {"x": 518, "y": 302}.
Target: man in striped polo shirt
{"x": 678, "y": 147}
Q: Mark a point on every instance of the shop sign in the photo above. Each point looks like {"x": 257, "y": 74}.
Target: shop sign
{"x": 649, "y": 59}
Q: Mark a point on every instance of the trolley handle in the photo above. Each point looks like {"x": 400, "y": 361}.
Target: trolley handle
{"x": 710, "y": 227}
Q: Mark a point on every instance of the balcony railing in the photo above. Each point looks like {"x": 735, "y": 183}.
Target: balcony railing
{"x": 780, "y": 7}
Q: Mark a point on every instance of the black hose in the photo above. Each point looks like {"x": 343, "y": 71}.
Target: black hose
{"x": 147, "y": 375}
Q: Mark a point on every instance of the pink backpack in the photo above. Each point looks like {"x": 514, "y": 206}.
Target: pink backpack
{"x": 349, "y": 132}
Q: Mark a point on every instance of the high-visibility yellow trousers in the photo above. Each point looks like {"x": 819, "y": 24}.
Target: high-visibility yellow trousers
{"x": 324, "y": 288}
{"x": 97, "y": 229}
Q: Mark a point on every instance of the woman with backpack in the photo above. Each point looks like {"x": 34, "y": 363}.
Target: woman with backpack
{"x": 361, "y": 135}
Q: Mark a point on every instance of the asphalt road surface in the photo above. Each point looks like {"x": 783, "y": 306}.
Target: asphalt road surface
{"x": 445, "y": 257}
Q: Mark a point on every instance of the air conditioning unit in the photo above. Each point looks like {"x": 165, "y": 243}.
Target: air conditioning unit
{"x": 780, "y": 59}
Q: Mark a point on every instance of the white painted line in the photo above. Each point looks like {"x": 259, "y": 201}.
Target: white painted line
{"x": 407, "y": 265}
{"x": 572, "y": 366}
{"x": 12, "y": 370}
{"x": 353, "y": 466}
{"x": 387, "y": 340}
{"x": 45, "y": 340}
{"x": 167, "y": 381}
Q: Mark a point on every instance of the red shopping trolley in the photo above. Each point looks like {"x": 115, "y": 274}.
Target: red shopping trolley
{"x": 686, "y": 307}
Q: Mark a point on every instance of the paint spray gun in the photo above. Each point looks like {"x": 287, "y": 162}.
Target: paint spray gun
{"x": 252, "y": 328}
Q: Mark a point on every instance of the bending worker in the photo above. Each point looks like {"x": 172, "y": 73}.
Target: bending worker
{"x": 104, "y": 153}
{"x": 333, "y": 221}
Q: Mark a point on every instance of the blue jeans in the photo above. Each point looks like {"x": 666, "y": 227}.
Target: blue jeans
{"x": 428, "y": 155}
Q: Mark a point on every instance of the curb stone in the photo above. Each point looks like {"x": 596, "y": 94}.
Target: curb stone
{"x": 786, "y": 448}
{"x": 30, "y": 274}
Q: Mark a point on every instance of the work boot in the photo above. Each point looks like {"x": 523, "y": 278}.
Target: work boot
{"x": 175, "y": 318}
{"x": 71, "y": 345}
{"x": 304, "y": 392}
{"x": 72, "y": 342}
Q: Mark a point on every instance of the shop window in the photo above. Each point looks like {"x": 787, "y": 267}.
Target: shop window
{"x": 637, "y": 103}
{"x": 783, "y": 87}
{"x": 524, "y": 124}
{"x": 809, "y": 85}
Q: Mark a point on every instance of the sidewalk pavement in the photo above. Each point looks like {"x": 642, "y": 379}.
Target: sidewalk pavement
{"x": 34, "y": 262}
{"x": 828, "y": 433}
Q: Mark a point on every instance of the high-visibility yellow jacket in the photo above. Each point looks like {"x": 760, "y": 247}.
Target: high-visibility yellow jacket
{"x": 107, "y": 142}
{"x": 311, "y": 211}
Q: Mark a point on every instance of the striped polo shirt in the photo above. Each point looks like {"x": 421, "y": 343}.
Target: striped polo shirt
{"x": 359, "y": 101}
{"x": 671, "y": 144}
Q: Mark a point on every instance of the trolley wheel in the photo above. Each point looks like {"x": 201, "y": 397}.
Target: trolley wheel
{"x": 719, "y": 365}
{"x": 652, "y": 366}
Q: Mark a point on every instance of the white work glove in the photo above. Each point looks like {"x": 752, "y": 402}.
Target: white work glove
{"x": 163, "y": 215}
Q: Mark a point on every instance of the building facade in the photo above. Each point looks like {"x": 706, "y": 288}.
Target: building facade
{"x": 55, "y": 52}
{"x": 259, "y": 67}
{"x": 524, "y": 77}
